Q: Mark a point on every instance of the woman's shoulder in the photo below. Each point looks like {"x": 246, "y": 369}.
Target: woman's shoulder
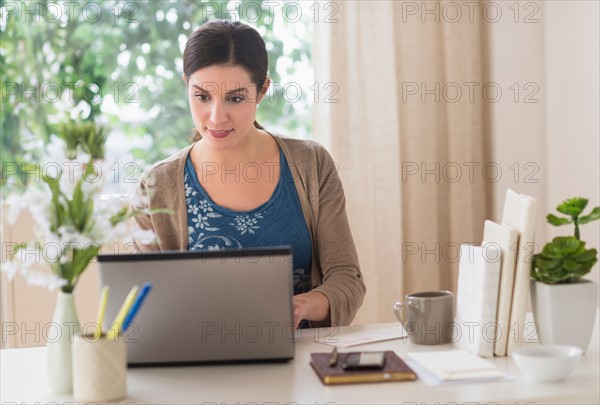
{"x": 166, "y": 168}
{"x": 302, "y": 149}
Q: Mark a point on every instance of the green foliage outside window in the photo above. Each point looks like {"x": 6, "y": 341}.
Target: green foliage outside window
{"x": 119, "y": 64}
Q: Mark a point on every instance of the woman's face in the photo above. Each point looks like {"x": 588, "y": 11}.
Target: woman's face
{"x": 223, "y": 103}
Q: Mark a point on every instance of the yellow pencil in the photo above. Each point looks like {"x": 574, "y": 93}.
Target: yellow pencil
{"x": 115, "y": 329}
{"x": 101, "y": 311}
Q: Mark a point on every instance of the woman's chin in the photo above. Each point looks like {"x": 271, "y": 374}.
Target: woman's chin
{"x": 222, "y": 144}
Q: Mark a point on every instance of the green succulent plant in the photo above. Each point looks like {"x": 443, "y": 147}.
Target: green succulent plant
{"x": 565, "y": 259}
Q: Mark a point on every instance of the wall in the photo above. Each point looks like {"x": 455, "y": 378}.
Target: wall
{"x": 518, "y": 135}
{"x": 572, "y": 82}
{"x": 558, "y": 134}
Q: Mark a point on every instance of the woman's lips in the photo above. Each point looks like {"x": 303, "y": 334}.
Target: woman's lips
{"x": 219, "y": 134}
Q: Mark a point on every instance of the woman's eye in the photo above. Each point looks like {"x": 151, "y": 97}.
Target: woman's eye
{"x": 202, "y": 97}
{"x": 236, "y": 99}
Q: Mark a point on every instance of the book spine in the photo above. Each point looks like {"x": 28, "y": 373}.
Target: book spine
{"x": 368, "y": 378}
{"x": 520, "y": 212}
{"x": 507, "y": 239}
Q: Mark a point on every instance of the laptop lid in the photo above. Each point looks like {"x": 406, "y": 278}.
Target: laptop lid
{"x": 215, "y": 306}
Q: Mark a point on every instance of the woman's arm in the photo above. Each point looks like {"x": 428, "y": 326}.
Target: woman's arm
{"x": 312, "y": 306}
{"x": 341, "y": 280}
{"x": 159, "y": 218}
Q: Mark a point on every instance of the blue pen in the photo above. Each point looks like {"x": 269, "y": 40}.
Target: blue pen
{"x": 136, "y": 305}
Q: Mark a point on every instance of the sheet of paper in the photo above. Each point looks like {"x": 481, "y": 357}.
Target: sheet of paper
{"x": 456, "y": 365}
{"x": 350, "y": 339}
{"x": 431, "y": 380}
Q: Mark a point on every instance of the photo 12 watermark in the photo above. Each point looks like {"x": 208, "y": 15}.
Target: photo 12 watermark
{"x": 62, "y": 12}
{"x": 129, "y": 12}
{"x": 470, "y": 92}
{"x": 436, "y": 252}
{"x": 38, "y": 333}
{"x": 288, "y": 11}
{"x": 68, "y": 92}
{"x": 72, "y": 171}
{"x": 452, "y": 12}
{"x": 471, "y": 332}
{"x": 469, "y": 172}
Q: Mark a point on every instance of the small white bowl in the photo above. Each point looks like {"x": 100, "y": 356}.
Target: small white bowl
{"x": 547, "y": 363}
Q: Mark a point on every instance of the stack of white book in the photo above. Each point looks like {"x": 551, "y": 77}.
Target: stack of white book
{"x": 493, "y": 281}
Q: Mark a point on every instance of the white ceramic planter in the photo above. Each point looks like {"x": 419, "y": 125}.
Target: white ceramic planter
{"x": 565, "y": 313}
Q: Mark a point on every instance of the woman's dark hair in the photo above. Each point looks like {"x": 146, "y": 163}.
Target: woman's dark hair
{"x": 223, "y": 42}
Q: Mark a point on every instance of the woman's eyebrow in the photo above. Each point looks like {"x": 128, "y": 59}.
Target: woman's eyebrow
{"x": 238, "y": 90}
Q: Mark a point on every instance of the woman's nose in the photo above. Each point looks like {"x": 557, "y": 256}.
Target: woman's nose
{"x": 218, "y": 112}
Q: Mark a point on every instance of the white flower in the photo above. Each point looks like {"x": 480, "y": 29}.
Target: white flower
{"x": 139, "y": 201}
{"x": 144, "y": 236}
{"x": 69, "y": 177}
{"x": 118, "y": 232}
{"x": 38, "y": 201}
{"x": 11, "y": 267}
{"x": 42, "y": 279}
{"x": 52, "y": 170}
{"x": 22, "y": 260}
{"x": 54, "y": 252}
{"x": 104, "y": 232}
{"x": 32, "y": 144}
{"x": 69, "y": 236}
{"x": 56, "y": 246}
{"x": 55, "y": 150}
{"x": 29, "y": 256}
{"x": 16, "y": 204}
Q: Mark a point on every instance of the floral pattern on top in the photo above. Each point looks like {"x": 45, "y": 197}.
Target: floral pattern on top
{"x": 246, "y": 223}
{"x": 202, "y": 211}
{"x": 277, "y": 222}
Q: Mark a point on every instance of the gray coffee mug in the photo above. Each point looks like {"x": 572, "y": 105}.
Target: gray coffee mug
{"x": 427, "y": 317}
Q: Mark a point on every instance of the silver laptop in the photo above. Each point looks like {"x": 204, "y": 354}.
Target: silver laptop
{"x": 205, "y": 307}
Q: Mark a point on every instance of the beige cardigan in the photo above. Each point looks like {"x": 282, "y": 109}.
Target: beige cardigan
{"x": 335, "y": 270}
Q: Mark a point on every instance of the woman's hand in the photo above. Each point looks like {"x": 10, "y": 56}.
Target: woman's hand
{"x": 312, "y": 306}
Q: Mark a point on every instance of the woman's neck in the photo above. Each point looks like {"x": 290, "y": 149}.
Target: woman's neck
{"x": 255, "y": 147}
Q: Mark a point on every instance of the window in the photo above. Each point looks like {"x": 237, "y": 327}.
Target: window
{"x": 119, "y": 63}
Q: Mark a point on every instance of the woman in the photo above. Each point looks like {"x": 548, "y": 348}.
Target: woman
{"x": 240, "y": 186}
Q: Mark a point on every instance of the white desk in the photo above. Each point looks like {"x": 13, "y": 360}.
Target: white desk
{"x": 23, "y": 380}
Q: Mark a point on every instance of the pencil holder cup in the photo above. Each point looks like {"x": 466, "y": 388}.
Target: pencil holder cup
{"x": 99, "y": 368}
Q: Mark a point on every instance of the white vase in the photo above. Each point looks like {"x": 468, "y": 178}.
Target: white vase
{"x": 61, "y": 333}
{"x": 565, "y": 313}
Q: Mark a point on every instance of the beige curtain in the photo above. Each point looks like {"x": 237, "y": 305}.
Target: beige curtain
{"x": 401, "y": 111}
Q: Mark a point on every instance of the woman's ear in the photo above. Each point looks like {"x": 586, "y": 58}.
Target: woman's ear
{"x": 184, "y": 78}
{"x": 264, "y": 89}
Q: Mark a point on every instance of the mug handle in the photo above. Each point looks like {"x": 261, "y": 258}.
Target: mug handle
{"x": 399, "y": 307}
